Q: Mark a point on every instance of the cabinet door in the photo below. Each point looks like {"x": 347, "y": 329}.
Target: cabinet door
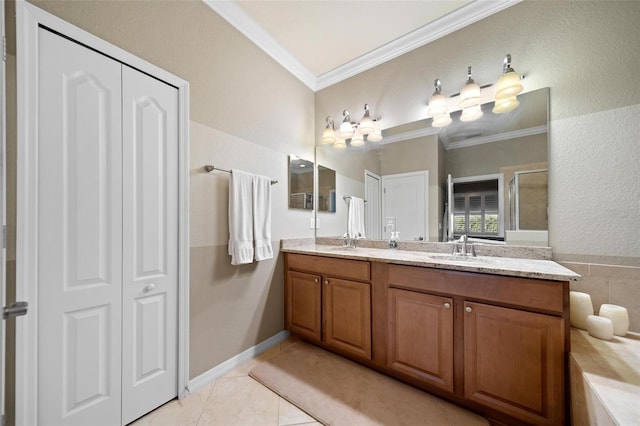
{"x": 347, "y": 310}
{"x": 514, "y": 362}
{"x": 420, "y": 336}
{"x": 304, "y": 305}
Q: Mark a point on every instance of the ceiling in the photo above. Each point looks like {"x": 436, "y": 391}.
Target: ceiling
{"x": 323, "y": 42}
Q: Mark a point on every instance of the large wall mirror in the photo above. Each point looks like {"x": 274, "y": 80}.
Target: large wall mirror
{"x": 494, "y": 171}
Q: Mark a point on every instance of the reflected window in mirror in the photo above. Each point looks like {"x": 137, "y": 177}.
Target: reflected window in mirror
{"x": 300, "y": 183}
{"x": 326, "y": 189}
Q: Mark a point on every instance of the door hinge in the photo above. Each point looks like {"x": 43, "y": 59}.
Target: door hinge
{"x": 4, "y": 236}
{"x": 4, "y": 49}
{"x": 16, "y": 309}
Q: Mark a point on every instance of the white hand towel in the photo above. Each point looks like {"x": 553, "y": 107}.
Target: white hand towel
{"x": 355, "y": 226}
{"x": 241, "y": 217}
{"x": 262, "y": 217}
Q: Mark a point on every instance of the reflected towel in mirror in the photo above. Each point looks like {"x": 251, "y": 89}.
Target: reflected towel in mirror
{"x": 355, "y": 222}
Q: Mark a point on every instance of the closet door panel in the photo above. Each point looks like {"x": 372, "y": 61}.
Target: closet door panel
{"x": 150, "y": 246}
{"x": 79, "y": 234}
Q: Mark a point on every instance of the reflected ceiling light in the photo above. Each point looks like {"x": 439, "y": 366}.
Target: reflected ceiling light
{"x": 508, "y": 84}
{"x": 471, "y": 113}
{"x": 505, "y": 105}
{"x": 340, "y": 144}
{"x": 441, "y": 120}
{"x": 368, "y": 130}
{"x": 357, "y": 139}
{"x": 470, "y": 94}
{"x": 329, "y": 134}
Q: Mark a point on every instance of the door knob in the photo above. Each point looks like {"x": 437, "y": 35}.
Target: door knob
{"x": 149, "y": 287}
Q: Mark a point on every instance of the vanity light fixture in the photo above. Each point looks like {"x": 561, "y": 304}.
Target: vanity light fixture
{"x": 508, "y": 84}
{"x": 470, "y": 94}
{"x": 329, "y": 134}
{"x": 368, "y": 130}
{"x": 437, "y": 107}
{"x": 507, "y": 87}
{"x": 346, "y": 129}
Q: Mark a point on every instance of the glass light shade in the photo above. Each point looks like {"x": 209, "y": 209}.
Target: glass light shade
{"x": 470, "y": 95}
{"x": 346, "y": 130}
{"x": 376, "y": 135}
{"x": 441, "y": 120}
{"x": 340, "y": 144}
{"x": 328, "y": 136}
{"x": 508, "y": 85}
{"x": 366, "y": 125}
{"x": 437, "y": 105}
{"x": 505, "y": 105}
{"x": 471, "y": 113}
{"x": 357, "y": 140}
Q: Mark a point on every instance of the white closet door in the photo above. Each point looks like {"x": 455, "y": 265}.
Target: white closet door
{"x": 79, "y": 233}
{"x": 150, "y": 246}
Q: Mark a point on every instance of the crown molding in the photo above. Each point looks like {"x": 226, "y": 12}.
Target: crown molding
{"x": 454, "y": 21}
{"x": 498, "y": 137}
{"x": 427, "y": 131}
{"x": 234, "y": 15}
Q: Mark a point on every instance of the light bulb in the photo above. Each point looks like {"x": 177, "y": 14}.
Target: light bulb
{"x": 366, "y": 124}
{"x": 508, "y": 85}
{"x": 471, "y": 113}
{"x": 505, "y": 105}
{"x": 437, "y": 105}
{"x": 441, "y": 120}
{"x": 328, "y": 136}
{"x": 376, "y": 135}
{"x": 340, "y": 144}
{"x": 357, "y": 139}
{"x": 346, "y": 130}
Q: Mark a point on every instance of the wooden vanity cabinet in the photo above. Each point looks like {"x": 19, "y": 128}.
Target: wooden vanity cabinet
{"x": 513, "y": 362}
{"x": 420, "y": 336}
{"x": 509, "y": 339}
{"x": 329, "y": 301}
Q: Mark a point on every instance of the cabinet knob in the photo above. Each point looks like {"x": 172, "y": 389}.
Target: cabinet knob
{"x": 447, "y": 305}
{"x": 326, "y": 281}
{"x": 315, "y": 280}
{"x": 468, "y": 309}
{"x": 149, "y": 287}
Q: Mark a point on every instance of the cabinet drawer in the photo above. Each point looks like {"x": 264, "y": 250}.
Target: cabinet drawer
{"x": 344, "y": 268}
{"x": 528, "y": 293}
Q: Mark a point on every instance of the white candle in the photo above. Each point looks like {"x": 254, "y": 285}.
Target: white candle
{"x": 618, "y": 316}
{"x": 600, "y": 327}
{"x": 580, "y": 307}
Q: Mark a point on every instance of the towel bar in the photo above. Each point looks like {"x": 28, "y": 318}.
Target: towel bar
{"x": 209, "y": 168}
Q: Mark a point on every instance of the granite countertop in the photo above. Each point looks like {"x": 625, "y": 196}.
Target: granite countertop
{"x": 516, "y": 267}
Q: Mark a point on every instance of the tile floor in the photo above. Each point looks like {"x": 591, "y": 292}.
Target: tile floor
{"x": 235, "y": 399}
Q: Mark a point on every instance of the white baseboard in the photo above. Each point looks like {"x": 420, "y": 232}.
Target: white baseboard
{"x": 221, "y": 369}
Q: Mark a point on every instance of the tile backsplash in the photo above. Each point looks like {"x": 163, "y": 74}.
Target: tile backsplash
{"x": 618, "y": 285}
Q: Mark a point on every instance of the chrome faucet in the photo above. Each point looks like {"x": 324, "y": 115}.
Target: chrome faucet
{"x": 462, "y": 247}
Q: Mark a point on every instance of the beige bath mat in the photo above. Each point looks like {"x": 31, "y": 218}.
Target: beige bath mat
{"x": 337, "y": 391}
